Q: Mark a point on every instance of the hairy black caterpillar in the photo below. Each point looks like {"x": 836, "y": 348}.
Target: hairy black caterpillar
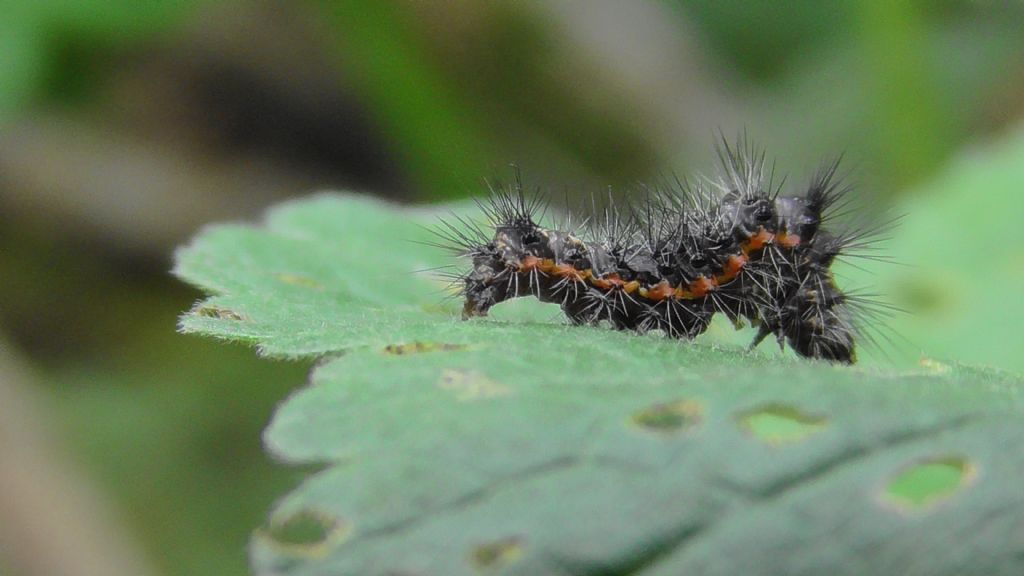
{"x": 732, "y": 245}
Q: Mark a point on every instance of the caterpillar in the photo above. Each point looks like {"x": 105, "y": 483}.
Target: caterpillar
{"x": 732, "y": 245}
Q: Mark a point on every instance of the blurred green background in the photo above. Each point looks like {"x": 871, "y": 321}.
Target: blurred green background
{"x": 127, "y": 124}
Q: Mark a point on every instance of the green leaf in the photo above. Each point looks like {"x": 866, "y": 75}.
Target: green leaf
{"x": 499, "y": 446}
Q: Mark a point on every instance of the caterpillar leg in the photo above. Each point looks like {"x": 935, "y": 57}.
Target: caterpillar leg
{"x": 826, "y": 335}
{"x": 818, "y": 322}
{"x": 762, "y": 332}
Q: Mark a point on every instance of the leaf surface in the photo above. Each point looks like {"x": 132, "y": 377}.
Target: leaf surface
{"x": 516, "y": 445}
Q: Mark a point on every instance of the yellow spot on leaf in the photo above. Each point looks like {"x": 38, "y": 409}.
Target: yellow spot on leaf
{"x": 301, "y": 281}
{"x": 306, "y": 533}
{"x": 497, "y": 554}
{"x": 469, "y": 385}
{"x": 420, "y": 347}
{"x": 669, "y": 416}
{"x": 211, "y": 311}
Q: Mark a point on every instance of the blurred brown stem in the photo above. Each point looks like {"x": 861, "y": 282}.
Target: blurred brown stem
{"x": 52, "y": 520}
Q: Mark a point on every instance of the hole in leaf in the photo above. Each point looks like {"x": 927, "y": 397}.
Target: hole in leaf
{"x": 781, "y": 424}
{"x": 669, "y": 416}
{"x": 929, "y": 482}
{"x": 419, "y": 347}
{"x": 497, "y": 553}
{"x": 220, "y": 313}
{"x": 307, "y": 533}
{"x": 302, "y": 281}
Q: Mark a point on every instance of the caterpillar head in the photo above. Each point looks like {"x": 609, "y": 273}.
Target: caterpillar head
{"x": 796, "y": 217}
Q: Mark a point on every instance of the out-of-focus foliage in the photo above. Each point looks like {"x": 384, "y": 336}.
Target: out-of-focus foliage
{"x": 51, "y": 47}
{"x": 761, "y": 40}
{"x": 895, "y": 85}
{"x": 174, "y": 436}
{"x": 956, "y": 271}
